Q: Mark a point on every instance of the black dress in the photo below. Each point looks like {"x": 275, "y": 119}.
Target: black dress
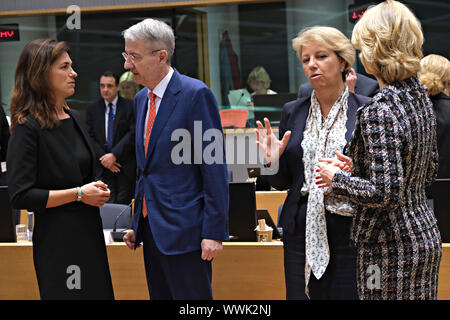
{"x": 68, "y": 245}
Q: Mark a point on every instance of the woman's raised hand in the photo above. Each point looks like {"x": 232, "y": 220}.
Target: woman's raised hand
{"x": 267, "y": 142}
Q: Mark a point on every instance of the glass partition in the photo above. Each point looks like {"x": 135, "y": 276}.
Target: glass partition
{"x": 236, "y": 49}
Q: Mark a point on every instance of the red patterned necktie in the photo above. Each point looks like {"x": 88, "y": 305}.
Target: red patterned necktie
{"x": 148, "y": 130}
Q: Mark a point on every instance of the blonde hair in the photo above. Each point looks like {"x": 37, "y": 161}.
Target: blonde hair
{"x": 331, "y": 38}
{"x": 259, "y": 74}
{"x": 434, "y": 73}
{"x": 390, "y": 39}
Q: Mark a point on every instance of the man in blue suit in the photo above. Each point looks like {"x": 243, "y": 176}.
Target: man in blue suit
{"x": 181, "y": 206}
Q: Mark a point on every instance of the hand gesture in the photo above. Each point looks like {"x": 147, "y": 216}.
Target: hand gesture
{"x": 95, "y": 193}
{"x": 342, "y": 162}
{"x": 267, "y": 142}
{"x": 327, "y": 167}
{"x": 351, "y": 80}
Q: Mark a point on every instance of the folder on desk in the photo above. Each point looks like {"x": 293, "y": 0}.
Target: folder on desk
{"x": 233, "y": 117}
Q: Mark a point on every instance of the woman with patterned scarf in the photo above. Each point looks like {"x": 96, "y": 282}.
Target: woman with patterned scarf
{"x": 318, "y": 260}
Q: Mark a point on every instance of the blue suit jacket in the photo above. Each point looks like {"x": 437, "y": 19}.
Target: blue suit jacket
{"x": 290, "y": 173}
{"x": 186, "y": 202}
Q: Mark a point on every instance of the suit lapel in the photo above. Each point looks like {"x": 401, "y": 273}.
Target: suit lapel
{"x": 168, "y": 103}
{"x": 298, "y": 127}
{"x": 141, "y": 112}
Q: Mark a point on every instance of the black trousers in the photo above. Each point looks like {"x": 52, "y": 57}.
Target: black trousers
{"x": 174, "y": 277}
{"x": 339, "y": 280}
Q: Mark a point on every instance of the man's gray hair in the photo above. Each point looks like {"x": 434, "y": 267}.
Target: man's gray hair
{"x": 153, "y": 31}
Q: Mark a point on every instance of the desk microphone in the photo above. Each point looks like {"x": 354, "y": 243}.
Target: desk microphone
{"x": 242, "y": 94}
{"x": 118, "y": 235}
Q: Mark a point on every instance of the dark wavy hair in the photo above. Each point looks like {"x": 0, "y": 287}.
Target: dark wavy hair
{"x": 31, "y": 94}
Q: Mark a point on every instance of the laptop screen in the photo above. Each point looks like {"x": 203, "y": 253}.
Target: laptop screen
{"x": 242, "y": 211}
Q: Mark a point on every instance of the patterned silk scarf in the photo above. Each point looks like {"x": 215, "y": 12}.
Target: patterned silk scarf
{"x": 321, "y": 138}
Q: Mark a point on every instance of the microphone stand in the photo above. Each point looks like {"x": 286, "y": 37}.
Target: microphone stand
{"x": 118, "y": 235}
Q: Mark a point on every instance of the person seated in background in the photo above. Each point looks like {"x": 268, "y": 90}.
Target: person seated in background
{"x": 434, "y": 74}
{"x": 259, "y": 81}
{"x": 356, "y": 82}
{"x": 128, "y": 88}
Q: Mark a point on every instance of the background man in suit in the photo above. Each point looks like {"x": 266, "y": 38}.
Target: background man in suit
{"x": 110, "y": 123}
{"x": 181, "y": 209}
{"x": 356, "y": 82}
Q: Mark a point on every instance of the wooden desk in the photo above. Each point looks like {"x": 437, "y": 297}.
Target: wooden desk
{"x": 243, "y": 271}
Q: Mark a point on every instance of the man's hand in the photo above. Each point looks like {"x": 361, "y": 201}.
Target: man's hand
{"x": 210, "y": 249}
{"x": 108, "y": 160}
{"x": 129, "y": 239}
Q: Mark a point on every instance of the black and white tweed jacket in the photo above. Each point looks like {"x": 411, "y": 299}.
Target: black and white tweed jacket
{"x": 394, "y": 156}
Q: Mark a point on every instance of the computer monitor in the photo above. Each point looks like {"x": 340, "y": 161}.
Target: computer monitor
{"x": 441, "y": 191}
{"x": 7, "y": 226}
{"x": 242, "y": 211}
{"x": 271, "y": 105}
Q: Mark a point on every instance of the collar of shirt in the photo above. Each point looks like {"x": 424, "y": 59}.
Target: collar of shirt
{"x": 161, "y": 87}
{"x": 114, "y": 102}
{"x": 159, "y": 91}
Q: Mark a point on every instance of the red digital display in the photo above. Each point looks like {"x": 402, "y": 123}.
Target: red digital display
{"x": 355, "y": 13}
{"x": 9, "y": 32}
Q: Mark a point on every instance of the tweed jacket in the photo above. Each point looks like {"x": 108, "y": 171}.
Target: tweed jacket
{"x": 394, "y": 153}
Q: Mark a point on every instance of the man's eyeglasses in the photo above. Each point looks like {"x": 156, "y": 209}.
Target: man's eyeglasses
{"x": 133, "y": 59}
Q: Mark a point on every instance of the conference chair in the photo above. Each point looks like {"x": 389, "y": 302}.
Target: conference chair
{"x": 110, "y": 215}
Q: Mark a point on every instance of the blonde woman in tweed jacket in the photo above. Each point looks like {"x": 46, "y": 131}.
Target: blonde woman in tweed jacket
{"x": 394, "y": 155}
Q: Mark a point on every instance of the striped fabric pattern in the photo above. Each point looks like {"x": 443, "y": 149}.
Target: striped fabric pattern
{"x": 394, "y": 154}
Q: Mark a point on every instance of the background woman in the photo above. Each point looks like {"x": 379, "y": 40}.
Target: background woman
{"x": 394, "y": 157}
{"x": 435, "y": 76}
{"x": 316, "y": 224}
{"x": 50, "y": 171}
{"x": 128, "y": 88}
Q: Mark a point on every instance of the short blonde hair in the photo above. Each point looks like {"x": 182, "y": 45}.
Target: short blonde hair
{"x": 331, "y": 38}
{"x": 390, "y": 39}
{"x": 434, "y": 73}
{"x": 259, "y": 74}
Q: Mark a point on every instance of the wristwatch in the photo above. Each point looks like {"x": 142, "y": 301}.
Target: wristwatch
{"x": 79, "y": 194}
